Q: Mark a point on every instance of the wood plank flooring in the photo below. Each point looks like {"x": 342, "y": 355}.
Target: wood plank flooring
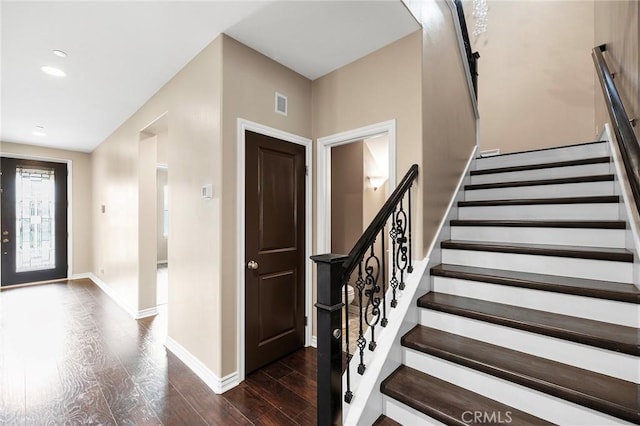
{"x": 70, "y": 355}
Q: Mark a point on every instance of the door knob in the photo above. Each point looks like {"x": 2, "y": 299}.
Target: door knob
{"x": 252, "y": 264}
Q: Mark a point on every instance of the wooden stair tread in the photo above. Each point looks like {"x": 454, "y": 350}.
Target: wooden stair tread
{"x": 445, "y": 401}
{"x": 597, "y": 224}
{"x": 538, "y": 182}
{"x": 581, "y": 252}
{"x": 551, "y": 165}
{"x": 385, "y": 421}
{"x": 582, "y": 287}
{"x": 604, "y": 335}
{"x": 598, "y": 199}
{"x": 603, "y": 393}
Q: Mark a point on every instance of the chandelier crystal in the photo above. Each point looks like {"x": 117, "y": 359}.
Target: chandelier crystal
{"x": 481, "y": 15}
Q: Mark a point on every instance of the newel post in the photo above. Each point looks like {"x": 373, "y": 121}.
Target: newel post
{"x": 329, "y": 337}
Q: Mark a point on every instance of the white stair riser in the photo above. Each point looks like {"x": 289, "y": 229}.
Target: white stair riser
{"x": 550, "y": 173}
{"x": 585, "y": 189}
{"x": 404, "y": 414}
{"x": 593, "y": 308}
{"x": 608, "y": 211}
{"x": 545, "y": 156}
{"x": 539, "y": 404}
{"x": 562, "y": 236}
{"x": 602, "y": 361}
{"x": 563, "y": 266}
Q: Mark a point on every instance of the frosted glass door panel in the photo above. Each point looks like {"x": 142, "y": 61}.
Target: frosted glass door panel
{"x": 35, "y": 219}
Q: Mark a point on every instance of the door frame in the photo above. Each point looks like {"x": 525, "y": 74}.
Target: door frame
{"x": 323, "y": 226}
{"x": 69, "y": 164}
{"x": 242, "y": 126}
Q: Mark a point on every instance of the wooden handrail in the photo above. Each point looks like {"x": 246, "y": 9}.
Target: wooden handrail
{"x": 368, "y": 237}
{"x": 627, "y": 141}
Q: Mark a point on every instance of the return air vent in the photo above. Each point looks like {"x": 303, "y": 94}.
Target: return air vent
{"x": 281, "y": 104}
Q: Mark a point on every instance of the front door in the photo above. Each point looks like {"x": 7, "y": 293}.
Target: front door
{"x": 34, "y": 221}
{"x": 275, "y": 241}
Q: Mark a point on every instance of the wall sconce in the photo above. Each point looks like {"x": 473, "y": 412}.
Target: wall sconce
{"x": 377, "y": 181}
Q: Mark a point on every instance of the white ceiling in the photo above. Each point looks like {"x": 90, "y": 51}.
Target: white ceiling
{"x": 121, "y": 53}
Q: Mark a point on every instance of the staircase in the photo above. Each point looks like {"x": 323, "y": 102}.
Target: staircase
{"x": 533, "y": 315}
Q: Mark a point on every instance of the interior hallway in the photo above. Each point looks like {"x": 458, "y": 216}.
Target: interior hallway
{"x": 69, "y": 354}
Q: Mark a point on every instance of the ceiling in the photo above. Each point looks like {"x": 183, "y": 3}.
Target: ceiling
{"x": 120, "y": 53}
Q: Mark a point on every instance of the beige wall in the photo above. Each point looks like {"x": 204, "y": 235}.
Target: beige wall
{"x": 617, "y": 23}
{"x": 162, "y": 180}
{"x": 382, "y": 86}
{"x": 448, "y": 118}
{"x": 536, "y": 81}
{"x": 250, "y": 81}
{"x": 347, "y": 196}
{"x": 81, "y": 225}
{"x": 192, "y": 99}
{"x": 162, "y": 142}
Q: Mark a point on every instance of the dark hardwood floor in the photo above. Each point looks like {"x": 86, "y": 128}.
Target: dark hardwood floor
{"x": 69, "y": 355}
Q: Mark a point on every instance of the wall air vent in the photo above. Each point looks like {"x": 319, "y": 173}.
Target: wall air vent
{"x": 281, "y": 104}
{"x": 490, "y": 152}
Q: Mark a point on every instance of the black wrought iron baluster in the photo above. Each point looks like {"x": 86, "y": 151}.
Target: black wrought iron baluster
{"x": 410, "y": 267}
{"x": 401, "y": 238}
{"x": 393, "y": 282}
{"x": 372, "y": 311}
{"x": 362, "y": 342}
{"x": 383, "y": 237}
{"x": 348, "y": 395}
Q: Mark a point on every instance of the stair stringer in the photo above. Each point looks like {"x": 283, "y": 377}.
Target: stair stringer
{"x": 368, "y": 401}
{"x": 628, "y": 212}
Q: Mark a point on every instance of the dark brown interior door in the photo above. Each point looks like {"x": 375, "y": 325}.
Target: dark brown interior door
{"x": 274, "y": 278}
{"x": 34, "y": 221}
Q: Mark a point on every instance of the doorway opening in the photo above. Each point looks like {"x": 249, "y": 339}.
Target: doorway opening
{"x": 154, "y": 216}
{"x": 162, "y": 220}
{"x": 355, "y": 177}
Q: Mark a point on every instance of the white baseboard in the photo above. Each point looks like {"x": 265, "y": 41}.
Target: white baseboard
{"x": 112, "y": 294}
{"x": 143, "y": 313}
{"x": 217, "y": 384}
{"x": 80, "y": 276}
{"x": 149, "y": 312}
{"x": 633, "y": 242}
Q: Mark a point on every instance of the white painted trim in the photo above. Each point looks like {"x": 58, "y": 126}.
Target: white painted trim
{"x": 314, "y": 341}
{"x": 136, "y": 315}
{"x": 112, "y": 294}
{"x": 69, "y": 164}
{"x": 81, "y": 276}
{"x": 323, "y": 226}
{"x": 144, "y": 313}
{"x": 463, "y": 54}
{"x": 162, "y": 261}
{"x": 242, "y": 126}
{"x": 215, "y": 383}
{"x": 627, "y": 195}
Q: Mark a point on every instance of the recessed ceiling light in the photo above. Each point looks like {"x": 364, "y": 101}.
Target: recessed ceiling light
{"x": 39, "y": 131}
{"x": 56, "y": 72}
{"x": 59, "y": 53}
